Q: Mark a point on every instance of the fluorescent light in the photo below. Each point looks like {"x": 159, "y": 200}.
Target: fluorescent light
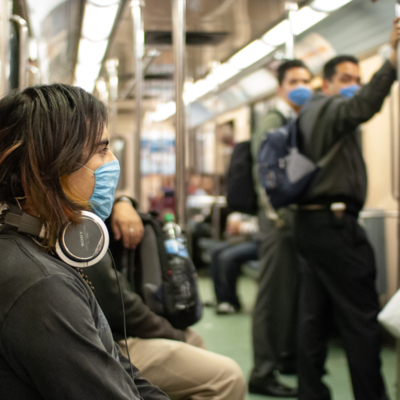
{"x": 328, "y": 5}
{"x": 86, "y": 75}
{"x": 305, "y": 19}
{"x": 98, "y": 21}
{"x": 199, "y": 89}
{"x": 223, "y": 72}
{"x": 91, "y": 52}
{"x": 278, "y": 34}
{"x": 163, "y": 111}
{"x": 33, "y": 49}
{"x": 257, "y": 83}
{"x": 250, "y": 54}
{"x": 103, "y": 3}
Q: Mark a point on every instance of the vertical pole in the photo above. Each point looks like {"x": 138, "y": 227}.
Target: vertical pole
{"x": 398, "y": 232}
{"x": 111, "y": 66}
{"x": 291, "y": 8}
{"x": 179, "y": 41}
{"x": 5, "y": 11}
{"x": 138, "y": 39}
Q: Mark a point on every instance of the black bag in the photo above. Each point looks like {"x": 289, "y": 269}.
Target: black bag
{"x": 166, "y": 282}
{"x": 241, "y": 195}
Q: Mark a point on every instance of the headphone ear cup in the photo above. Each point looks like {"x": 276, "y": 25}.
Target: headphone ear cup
{"x": 85, "y": 244}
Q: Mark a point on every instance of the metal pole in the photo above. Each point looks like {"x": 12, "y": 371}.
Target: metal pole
{"x": 111, "y": 66}
{"x": 179, "y": 42}
{"x": 138, "y": 39}
{"x": 23, "y": 50}
{"x": 5, "y": 11}
{"x": 291, "y": 8}
{"x": 398, "y": 233}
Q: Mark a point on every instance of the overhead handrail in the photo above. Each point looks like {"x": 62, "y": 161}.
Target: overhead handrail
{"x": 23, "y": 50}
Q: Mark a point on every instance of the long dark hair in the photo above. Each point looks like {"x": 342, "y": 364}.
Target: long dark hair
{"x": 45, "y": 131}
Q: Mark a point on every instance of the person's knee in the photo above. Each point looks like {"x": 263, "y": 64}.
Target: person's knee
{"x": 233, "y": 383}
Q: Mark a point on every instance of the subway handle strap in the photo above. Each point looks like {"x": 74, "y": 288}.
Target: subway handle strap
{"x": 81, "y": 245}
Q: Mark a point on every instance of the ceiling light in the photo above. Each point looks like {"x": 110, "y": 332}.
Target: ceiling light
{"x": 278, "y": 34}
{"x": 252, "y": 53}
{"x": 198, "y": 89}
{"x": 33, "y": 49}
{"x": 223, "y": 72}
{"x": 258, "y": 83}
{"x": 305, "y": 19}
{"x": 164, "y": 111}
{"x": 91, "y": 52}
{"x": 98, "y": 21}
{"x": 328, "y": 5}
{"x": 86, "y": 75}
{"x": 103, "y": 3}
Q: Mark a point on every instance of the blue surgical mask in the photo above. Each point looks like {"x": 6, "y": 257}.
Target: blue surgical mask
{"x": 299, "y": 95}
{"x": 349, "y": 91}
{"x": 105, "y": 182}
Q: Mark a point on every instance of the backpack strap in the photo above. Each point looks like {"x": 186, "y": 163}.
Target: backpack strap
{"x": 331, "y": 154}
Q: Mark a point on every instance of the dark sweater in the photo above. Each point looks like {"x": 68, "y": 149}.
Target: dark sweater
{"x": 324, "y": 122}
{"x": 55, "y": 342}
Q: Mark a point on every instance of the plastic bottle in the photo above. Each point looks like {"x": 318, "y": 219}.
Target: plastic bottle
{"x": 174, "y": 242}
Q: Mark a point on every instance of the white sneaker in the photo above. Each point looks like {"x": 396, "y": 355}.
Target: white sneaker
{"x": 225, "y": 308}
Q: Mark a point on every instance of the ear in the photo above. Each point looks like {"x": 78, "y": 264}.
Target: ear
{"x": 325, "y": 85}
{"x": 280, "y": 91}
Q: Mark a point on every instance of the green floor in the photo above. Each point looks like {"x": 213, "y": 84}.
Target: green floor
{"x": 231, "y": 336}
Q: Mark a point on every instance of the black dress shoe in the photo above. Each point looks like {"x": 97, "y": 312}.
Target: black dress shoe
{"x": 273, "y": 388}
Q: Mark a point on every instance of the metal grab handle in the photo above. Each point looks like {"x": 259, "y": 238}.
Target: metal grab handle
{"x": 23, "y": 50}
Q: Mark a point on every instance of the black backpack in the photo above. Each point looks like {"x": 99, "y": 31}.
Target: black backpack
{"x": 241, "y": 195}
{"x": 166, "y": 282}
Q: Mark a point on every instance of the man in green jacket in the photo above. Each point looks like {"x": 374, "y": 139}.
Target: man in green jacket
{"x": 275, "y": 311}
{"x": 338, "y": 280}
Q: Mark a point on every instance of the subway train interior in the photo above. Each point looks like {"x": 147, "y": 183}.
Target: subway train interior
{"x": 184, "y": 82}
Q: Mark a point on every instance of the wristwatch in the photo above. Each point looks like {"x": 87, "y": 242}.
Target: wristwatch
{"x": 126, "y": 199}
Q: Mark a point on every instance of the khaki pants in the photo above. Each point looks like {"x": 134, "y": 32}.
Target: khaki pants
{"x": 187, "y": 370}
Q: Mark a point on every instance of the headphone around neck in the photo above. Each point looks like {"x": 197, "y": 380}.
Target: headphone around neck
{"x": 81, "y": 245}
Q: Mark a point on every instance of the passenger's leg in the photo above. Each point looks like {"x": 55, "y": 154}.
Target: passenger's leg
{"x": 230, "y": 262}
{"x": 356, "y": 310}
{"x": 215, "y": 271}
{"x": 184, "y": 371}
{"x": 343, "y": 261}
{"x": 275, "y": 310}
{"x": 314, "y": 324}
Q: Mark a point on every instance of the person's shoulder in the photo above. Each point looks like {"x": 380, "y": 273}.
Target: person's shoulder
{"x": 23, "y": 266}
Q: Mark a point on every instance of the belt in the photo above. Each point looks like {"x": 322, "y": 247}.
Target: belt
{"x": 338, "y": 209}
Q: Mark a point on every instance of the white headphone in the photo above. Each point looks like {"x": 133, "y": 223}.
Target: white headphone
{"x": 80, "y": 245}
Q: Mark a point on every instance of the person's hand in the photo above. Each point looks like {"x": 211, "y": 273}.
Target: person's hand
{"x": 126, "y": 224}
{"x": 233, "y": 227}
{"x": 394, "y": 39}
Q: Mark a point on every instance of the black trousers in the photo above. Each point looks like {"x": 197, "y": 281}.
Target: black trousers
{"x": 275, "y": 312}
{"x": 338, "y": 281}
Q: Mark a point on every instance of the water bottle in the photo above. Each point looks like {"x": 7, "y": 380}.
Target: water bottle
{"x": 174, "y": 242}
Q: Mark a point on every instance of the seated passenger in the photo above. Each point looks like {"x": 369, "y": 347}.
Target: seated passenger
{"x": 227, "y": 258}
{"x": 175, "y": 360}
{"x": 55, "y": 342}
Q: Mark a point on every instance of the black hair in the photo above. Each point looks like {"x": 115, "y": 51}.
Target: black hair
{"x": 286, "y": 65}
{"x": 45, "y": 131}
{"x": 330, "y": 66}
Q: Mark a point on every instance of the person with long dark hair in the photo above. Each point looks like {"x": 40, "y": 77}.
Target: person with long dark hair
{"x": 55, "y": 342}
